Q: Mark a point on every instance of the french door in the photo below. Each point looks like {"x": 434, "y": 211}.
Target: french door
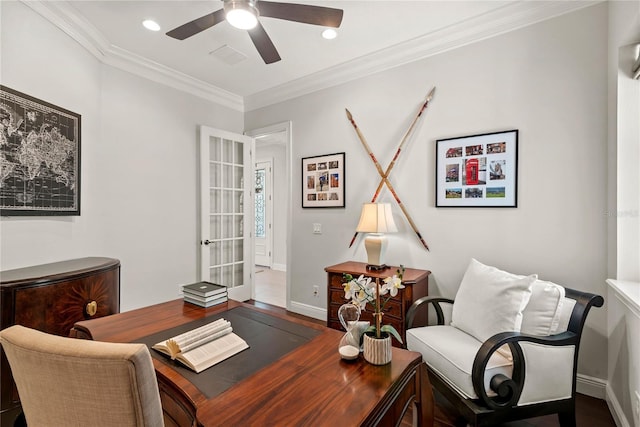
{"x": 226, "y": 217}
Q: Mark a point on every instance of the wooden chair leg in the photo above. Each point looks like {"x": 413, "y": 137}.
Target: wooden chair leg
{"x": 568, "y": 418}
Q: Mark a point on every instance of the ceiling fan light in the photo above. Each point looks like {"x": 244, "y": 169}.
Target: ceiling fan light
{"x": 241, "y": 14}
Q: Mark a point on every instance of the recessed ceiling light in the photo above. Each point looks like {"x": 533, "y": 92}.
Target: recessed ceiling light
{"x": 329, "y": 34}
{"x": 151, "y": 25}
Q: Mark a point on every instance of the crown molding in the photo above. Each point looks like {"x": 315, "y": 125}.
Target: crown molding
{"x": 502, "y": 20}
{"x": 507, "y": 18}
{"x": 65, "y": 17}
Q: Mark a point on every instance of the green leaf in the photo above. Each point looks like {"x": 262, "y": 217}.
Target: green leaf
{"x": 371, "y": 328}
{"x": 390, "y": 329}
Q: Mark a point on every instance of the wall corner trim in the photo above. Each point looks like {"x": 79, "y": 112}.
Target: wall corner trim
{"x": 66, "y": 18}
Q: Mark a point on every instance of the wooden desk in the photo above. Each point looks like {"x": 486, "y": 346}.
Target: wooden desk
{"x": 309, "y": 386}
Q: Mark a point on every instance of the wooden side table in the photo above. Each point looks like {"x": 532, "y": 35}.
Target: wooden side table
{"x": 416, "y": 286}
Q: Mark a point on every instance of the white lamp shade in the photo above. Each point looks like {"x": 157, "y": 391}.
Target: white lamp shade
{"x": 376, "y": 218}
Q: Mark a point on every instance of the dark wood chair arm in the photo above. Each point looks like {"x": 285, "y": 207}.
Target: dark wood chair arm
{"x": 424, "y": 301}
{"x": 509, "y": 389}
{"x": 584, "y": 302}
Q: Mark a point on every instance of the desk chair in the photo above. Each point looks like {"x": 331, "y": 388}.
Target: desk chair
{"x": 71, "y": 382}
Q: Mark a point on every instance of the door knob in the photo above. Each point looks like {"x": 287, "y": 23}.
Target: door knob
{"x": 207, "y": 242}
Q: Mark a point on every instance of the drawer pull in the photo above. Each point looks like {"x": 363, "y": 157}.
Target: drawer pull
{"x": 91, "y": 308}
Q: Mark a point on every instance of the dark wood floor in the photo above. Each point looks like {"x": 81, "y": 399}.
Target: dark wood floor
{"x": 590, "y": 412}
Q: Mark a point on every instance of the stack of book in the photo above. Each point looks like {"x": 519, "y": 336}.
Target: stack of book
{"x": 204, "y": 294}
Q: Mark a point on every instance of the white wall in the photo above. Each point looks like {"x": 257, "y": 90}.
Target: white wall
{"x": 277, "y": 153}
{"x": 547, "y": 80}
{"x": 139, "y": 182}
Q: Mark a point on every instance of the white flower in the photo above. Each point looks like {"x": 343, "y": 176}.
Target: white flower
{"x": 358, "y": 290}
{"x": 350, "y": 289}
{"x": 392, "y": 284}
{"x": 364, "y": 282}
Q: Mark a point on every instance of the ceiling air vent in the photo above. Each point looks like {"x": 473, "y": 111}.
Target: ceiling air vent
{"x": 228, "y": 55}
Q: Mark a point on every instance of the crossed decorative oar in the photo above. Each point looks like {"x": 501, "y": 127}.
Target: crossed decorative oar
{"x": 384, "y": 175}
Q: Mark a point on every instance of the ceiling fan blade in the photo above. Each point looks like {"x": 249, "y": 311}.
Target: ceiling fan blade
{"x": 263, "y": 43}
{"x": 197, "y": 25}
{"x": 316, "y": 15}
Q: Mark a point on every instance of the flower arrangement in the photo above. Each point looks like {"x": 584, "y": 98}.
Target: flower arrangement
{"x": 365, "y": 290}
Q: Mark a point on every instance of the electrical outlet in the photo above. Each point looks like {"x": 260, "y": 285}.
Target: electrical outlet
{"x": 317, "y": 228}
{"x": 316, "y": 291}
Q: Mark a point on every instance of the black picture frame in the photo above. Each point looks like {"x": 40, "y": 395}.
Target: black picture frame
{"x": 478, "y": 170}
{"x": 323, "y": 181}
{"x": 40, "y": 149}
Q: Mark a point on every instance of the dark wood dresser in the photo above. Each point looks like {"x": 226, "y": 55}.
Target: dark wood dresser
{"x": 416, "y": 286}
{"x": 51, "y": 298}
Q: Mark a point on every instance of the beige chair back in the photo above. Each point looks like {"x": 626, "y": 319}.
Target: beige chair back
{"x": 71, "y": 382}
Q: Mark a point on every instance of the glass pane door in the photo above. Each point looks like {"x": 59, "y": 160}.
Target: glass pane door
{"x": 226, "y": 258}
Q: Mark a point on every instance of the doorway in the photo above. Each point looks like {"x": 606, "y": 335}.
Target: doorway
{"x": 272, "y": 207}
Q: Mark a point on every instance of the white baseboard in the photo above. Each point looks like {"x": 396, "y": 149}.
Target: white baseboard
{"x": 616, "y": 410}
{"x": 308, "y": 310}
{"x": 279, "y": 267}
{"x": 591, "y": 386}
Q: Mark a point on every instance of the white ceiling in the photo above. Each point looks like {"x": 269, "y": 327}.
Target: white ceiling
{"x": 374, "y": 35}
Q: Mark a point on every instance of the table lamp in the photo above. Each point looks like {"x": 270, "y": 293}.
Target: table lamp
{"x": 376, "y": 219}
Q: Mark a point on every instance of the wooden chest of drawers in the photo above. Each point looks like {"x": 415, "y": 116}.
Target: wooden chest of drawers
{"x": 416, "y": 286}
{"x": 51, "y": 298}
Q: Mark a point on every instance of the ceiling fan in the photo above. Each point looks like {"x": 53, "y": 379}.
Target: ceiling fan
{"x": 244, "y": 14}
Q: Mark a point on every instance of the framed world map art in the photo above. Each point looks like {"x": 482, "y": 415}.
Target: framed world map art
{"x": 39, "y": 157}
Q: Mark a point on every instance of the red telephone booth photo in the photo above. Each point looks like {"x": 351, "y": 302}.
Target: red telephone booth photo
{"x": 471, "y": 167}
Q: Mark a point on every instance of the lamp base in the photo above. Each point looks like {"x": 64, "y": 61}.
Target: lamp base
{"x": 376, "y": 246}
{"x": 372, "y": 267}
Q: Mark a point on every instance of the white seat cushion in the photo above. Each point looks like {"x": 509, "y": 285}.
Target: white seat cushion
{"x": 450, "y": 352}
{"x": 490, "y": 301}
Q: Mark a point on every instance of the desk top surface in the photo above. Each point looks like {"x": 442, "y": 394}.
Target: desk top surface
{"x": 308, "y": 384}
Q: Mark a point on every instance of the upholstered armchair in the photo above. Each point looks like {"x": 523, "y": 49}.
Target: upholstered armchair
{"x": 511, "y": 349}
{"x": 72, "y": 382}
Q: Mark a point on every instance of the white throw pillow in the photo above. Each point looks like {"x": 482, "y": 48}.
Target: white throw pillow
{"x": 490, "y": 301}
{"x": 541, "y": 316}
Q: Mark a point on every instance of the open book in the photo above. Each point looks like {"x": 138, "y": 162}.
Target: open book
{"x": 203, "y": 347}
